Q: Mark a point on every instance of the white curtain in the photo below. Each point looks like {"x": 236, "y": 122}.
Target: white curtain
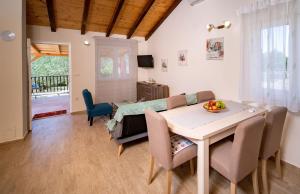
{"x": 116, "y": 69}
{"x": 270, "y": 53}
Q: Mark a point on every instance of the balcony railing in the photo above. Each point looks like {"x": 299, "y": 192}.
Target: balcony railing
{"x": 43, "y": 85}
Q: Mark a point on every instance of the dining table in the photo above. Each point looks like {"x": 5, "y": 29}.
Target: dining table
{"x": 205, "y": 128}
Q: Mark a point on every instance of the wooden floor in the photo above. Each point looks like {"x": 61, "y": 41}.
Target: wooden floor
{"x": 64, "y": 155}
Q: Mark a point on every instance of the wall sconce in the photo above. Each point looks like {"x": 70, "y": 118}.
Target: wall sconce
{"x": 8, "y": 35}
{"x": 226, "y": 24}
{"x": 86, "y": 42}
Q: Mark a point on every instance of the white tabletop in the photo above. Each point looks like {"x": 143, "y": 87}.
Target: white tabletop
{"x": 196, "y": 123}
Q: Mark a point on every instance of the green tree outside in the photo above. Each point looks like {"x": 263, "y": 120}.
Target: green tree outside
{"x": 50, "y": 66}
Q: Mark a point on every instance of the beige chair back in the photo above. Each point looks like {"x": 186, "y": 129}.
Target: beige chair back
{"x": 159, "y": 138}
{"x": 205, "y": 96}
{"x": 176, "y": 101}
{"x": 273, "y": 132}
{"x": 246, "y": 147}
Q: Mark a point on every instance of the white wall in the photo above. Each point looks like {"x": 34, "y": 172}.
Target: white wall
{"x": 13, "y": 103}
{"x": 143, "y": 50}
{"x": 82, "y": 58}
{"x": 185, "y": 28}
{"x": 290, "y": 142}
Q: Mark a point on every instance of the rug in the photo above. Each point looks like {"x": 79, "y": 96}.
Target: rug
{"x": 49, "y": 114}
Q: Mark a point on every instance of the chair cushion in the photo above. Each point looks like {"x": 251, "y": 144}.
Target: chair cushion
{"x": 182, "y": 150}
{"x": 101, "y": 109}
{"x": 191, "y": 99}
{"x": 179, "y": 143}
{"x": 220, "y": 157}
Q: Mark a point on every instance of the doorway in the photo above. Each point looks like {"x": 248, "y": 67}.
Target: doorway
{"x": 49, "y": 79}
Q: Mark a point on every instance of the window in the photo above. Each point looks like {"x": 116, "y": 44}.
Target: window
{"x": 123, "y": 63}
{"x": 107, "y": 66}
{"x": 114, "y": 63}
{"x": 270, "y": 53}
{"x": 275, "y": 49}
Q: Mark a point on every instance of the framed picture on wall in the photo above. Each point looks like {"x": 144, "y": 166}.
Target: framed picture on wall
{"x": 215, "y": 49}
{"x": 164, "y": 65}
{"x": 182, "y": 58}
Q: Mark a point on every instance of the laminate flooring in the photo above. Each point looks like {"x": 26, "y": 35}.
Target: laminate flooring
{"x": 64, "y": 155}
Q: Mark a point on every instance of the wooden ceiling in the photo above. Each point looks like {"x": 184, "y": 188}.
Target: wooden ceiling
{"x": 125, "y": 17}
{"x": 39, "y": 50}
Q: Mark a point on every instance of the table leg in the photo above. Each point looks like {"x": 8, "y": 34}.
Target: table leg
{"x": 203, "y": 166}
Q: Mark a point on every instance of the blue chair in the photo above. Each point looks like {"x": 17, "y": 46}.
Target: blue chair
{"x": 94, "y": 110}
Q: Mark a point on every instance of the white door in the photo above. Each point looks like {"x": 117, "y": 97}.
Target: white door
{"x": 29, "y": 83}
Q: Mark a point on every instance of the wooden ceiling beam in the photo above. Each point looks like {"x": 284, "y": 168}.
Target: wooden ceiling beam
{"x": 52, "y": 54}
{"x": 59, "y": 55}
{"x": 36, "y": 50}
{"x": 57, "y": 49}
{"x": 167, "y": 13}
{"x": 50, "y": 9}
{"x": 115, "y": 16}
{"x": 85, "y": 15}
{"x": 36, "y": 57}
{"x": 140, "y": 18}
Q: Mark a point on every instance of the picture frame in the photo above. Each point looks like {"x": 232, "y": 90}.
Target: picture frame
{"x": 215, "y": 49}
{"x": 182, "y": 58}
{"x": 164, "y": 65}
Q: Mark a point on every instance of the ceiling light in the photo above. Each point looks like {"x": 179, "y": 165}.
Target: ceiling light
{"x": 86, "y": 42}
{"x": 8, "y": 35}
{"x": 227, "y": 24}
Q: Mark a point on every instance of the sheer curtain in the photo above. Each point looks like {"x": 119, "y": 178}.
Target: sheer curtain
{"x": 270, "y": 53}
{"x": 116, "y": 69}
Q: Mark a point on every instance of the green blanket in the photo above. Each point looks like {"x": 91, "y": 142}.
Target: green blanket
{"x": 140, "y": 107}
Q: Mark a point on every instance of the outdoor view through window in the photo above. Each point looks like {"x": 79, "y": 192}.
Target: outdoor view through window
{"x": 275, "y": 49}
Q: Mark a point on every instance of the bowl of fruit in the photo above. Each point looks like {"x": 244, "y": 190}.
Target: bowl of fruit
{"x": 214, "y": 106}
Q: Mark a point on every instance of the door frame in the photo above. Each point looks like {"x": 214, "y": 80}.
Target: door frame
{"x": 70, "y": 73}
{"x": 28, "y": 51}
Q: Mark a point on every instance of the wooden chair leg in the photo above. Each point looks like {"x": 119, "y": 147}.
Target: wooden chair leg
{"x": 169, "y": 181}
{"x": 232, "y": 188}
{"x": 121, "y": 148}
{"x": 278, "y": 165}
{"x": 192, "y": 167}
{"x": 255, "y": 182}
{"x": 91, "y": 121}
{"x": 151, "y": 169}
{"x": 264, "y": 176}
{"x": 110, "y": 137}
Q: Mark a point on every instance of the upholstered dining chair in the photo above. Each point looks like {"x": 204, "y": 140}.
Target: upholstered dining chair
{"x": 205, "y": 96}
{"x": 271, "y": 141}
{"x": 176, "y": 101}
{"x": 235, "y": 160}
{"x": 169, "y": 151}
{"x": 94, "y": 110}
